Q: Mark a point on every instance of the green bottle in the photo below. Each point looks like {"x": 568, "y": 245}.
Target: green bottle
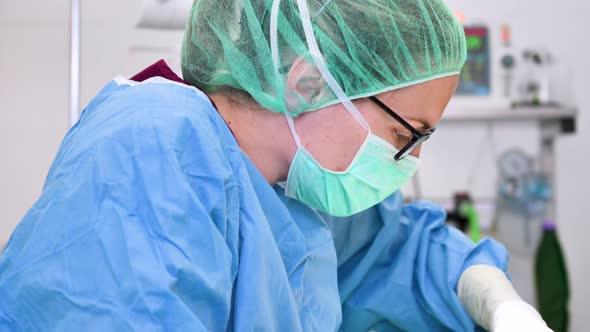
{"x": 468, "y": 211}
{"x": 552, "y": 281}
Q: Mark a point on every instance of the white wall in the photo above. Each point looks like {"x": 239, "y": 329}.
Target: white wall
{"x": 34, "y": 83}
{"x": 33, "y": 100}
{"x": 34, "y": 107}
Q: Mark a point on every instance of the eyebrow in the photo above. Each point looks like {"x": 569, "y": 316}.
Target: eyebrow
{"x": 422, "y": 124}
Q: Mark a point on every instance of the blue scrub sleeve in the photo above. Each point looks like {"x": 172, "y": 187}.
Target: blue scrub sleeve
{"x": 399, "y": 267}
{"x": 130, "y": 234}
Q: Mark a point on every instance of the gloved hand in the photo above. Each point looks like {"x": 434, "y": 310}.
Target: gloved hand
{"x": 518, "y": 316}
{"x": 489, "y": 298}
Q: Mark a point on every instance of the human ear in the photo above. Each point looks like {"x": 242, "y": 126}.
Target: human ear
{"x": 304, "y": 83}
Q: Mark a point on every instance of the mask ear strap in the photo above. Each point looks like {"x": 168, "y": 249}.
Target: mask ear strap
{"x": 318, "y": 59}
{"x": 274, "y": 27}
{"x": 293, "y": 131}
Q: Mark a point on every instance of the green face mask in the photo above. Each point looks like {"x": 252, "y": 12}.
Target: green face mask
{"x": 372, "y": 176}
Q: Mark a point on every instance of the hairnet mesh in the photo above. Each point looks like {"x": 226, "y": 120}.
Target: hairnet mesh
{"x": 368, "y": 47}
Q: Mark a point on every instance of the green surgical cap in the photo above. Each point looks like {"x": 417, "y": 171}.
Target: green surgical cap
{"x": 360, "y": 48}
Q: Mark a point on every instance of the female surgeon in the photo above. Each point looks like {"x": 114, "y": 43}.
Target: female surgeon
{"x": 261, "y": 192}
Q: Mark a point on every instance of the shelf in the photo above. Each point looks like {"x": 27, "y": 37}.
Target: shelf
{"x": 509, "y": 114}
{"x": 565, "y": 116}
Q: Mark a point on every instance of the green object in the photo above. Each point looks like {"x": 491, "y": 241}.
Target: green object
{"x": 474, "y": 43}
{"x": 469, "y": 212}
{"x": 552, "y": 281}
{"x": 372, "y": 177}
{"x": 368, "y": 47}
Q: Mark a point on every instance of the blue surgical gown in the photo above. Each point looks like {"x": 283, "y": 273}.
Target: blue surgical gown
{"x": 153, "y": 219}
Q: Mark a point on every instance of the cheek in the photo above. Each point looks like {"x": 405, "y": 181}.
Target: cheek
{"x": 381, "y": 126}
{"x": 332, "y": 137}
{"x": 416, "y": 152}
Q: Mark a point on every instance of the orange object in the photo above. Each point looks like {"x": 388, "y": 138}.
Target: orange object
{"x": 506, "y": 35}
{"x": 460, "y": 16}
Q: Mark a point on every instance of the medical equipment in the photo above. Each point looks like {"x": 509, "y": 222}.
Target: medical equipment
{"x": 484, "y": 78}
{"x": 475, "y": 75}
{"x": 523, "y": 198}
{"x": 508, "y": 61}
{"x": 501, "y": 74}
{"x": 514, "y": 164}
{"x": 534, "y": 82}
{"x": 535, "y": 79}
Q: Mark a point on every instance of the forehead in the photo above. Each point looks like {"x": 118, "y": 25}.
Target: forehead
{"x": 422, "y": 103}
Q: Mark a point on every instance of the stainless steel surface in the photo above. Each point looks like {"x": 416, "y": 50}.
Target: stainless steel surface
{"x": 509, "y": 114}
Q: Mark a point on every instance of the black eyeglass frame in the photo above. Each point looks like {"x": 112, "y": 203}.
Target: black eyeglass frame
{"x": 418, "y": 137}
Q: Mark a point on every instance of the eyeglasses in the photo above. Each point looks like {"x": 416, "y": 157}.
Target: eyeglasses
{"x": 409, "y": 143}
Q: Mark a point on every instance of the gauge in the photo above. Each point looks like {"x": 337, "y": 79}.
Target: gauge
{"x": 514, "y": 164}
